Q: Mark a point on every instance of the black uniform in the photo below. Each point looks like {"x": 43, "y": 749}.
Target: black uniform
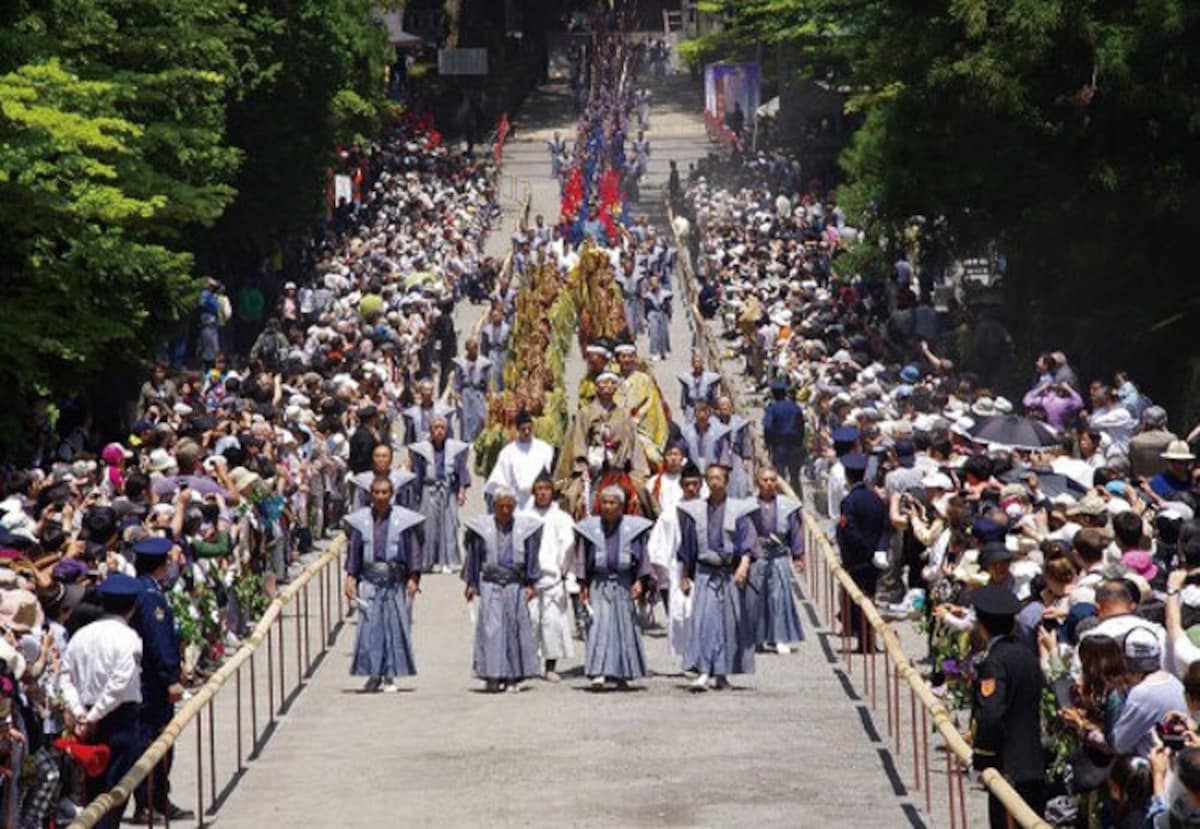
{"x": 861, "y": 530}
{"x": 1007, "y": 723}
{"x": 362, "y": 444}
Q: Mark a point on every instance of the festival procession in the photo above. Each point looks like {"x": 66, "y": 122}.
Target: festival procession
{"x": 591, "y": 438}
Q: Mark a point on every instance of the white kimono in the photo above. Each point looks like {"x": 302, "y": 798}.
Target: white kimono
{"x": 518, "y": 466}
{"x": 548, "y": 610}
{"x": 663, "y": 547}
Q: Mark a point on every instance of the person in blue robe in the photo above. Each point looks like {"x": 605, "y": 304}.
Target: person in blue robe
{"x": 770, "y": 594}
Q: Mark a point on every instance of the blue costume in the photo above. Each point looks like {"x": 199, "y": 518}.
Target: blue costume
{"x": 440, "y": 471}
{"x": 657, "y": 307}
{"x": 862, "y": 529}
{"x": 611, "y": 559}
{"x": 404, "y": 491}
{"x": 154, "y": 621}
{"x": 500, "y": 563}
{"x": 770, "y": 599}
{"x": 696, "y": 388}
{"x": 493, "y": 341}
{"x": 783, "y": 434}
{"x": 470, "y": 384}
{"x": 713, "y": 539}
{"x": 382, "y": 553}
{"x": 707, "y": 447}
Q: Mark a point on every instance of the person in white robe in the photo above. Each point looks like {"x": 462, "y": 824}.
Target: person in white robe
{"x": 520, "y": 463}
{"x": 548, "y": 609}
{"x": 663, "y": 546}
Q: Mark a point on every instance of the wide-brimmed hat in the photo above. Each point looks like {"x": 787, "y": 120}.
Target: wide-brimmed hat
{"x": 1178, "y": 450}
{"x": 242, "y": 478}
{"x": 20, "y": 611}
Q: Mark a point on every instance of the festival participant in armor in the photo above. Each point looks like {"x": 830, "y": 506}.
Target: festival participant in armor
{"x": 717, "y": 539}
{"x": 383, "y": 573}
{"x": 470, "y": 387}
{"x": 521, "y": 462}
{"x": 605, "y": 434}
{"x": 597, "y": 355}
{"x": 639, "y": 396}
{"x": 406, "y": 494}
{"x": 440, "y": 471}
{"x": 614, "y": 573}
{"x": 502, "y": 569}
{"x": 771, "y": 599}
{"x": 548, "y": 609}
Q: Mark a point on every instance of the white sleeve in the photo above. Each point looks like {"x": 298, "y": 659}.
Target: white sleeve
{"x": 124, "y": 674}
{"x": 69, "y": 691}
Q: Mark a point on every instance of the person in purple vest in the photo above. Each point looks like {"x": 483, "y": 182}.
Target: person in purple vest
{"x": 383, "y": 571}
{"x": 614, "y": 572}
{"x": 502, "y": 568}
{"x": 716, "y": 540}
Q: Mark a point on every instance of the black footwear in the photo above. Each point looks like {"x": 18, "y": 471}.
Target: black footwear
{"x": 175, "y": 812}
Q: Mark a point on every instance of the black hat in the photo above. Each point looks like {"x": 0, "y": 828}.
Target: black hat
{"x": 994, "y": 551}
{"x": 996, "y": 602}
{"x": 854, "y": 462}
{"x": 153, "y": 547}
{"x": 543, "y": 477}
{"x": 524, "y": 417}
{"x": 366, "y": 412}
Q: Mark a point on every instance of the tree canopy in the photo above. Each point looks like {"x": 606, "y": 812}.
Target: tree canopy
{"x": 137, "y": 136}
{"x": 1063, "y": 130}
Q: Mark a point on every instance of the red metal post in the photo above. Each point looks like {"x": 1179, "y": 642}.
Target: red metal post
{"x": 950, "y": 787}
{"x": 199, "y": 773}
{"x": 912, "y": 698}
{"x": 238, "y": 677}
{"x": 271, "y": 674}
{"x": 282, "y": 672}
{"x": 925, "y": 756}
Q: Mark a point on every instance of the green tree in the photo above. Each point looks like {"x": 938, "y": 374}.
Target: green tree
{"x": 1064, "y": 130}
{"x": 82, "y": 287}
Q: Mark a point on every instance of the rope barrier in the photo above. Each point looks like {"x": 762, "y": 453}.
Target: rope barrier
{"x": 157, "y": 750}
{"x": 1020, "y": 811}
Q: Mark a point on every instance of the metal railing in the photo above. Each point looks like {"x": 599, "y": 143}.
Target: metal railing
{"x": 319, "y": 582}
{"x": 831, "y": 587}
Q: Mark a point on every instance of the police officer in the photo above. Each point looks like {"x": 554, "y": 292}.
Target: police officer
{"x": 1006, "y": 705}
{"x": 161, "y": 689}
{"x": 101, "y": 686}
{"x": 862, "y": 529}
{"x": 783, "y": 432}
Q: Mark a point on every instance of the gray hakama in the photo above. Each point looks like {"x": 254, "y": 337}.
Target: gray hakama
{"x": 771, "y": 601}
{"x": 611, "y": 559}
{"x": 632, "y": 302}
{"x": 740, "y": 450}
{"x": 499, "y": 565}
{"x": 658, "y": 322}
{"x": 493, "y": 341}
{"x": 713, "y": 539}
{"x": 440, "y": 474}
{"x": 381, "y": 554}
{"x": 470, "y": 384}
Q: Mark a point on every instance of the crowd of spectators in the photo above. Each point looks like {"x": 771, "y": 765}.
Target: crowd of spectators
{"x": 1078, "y": 495}
{"x": 243, "y": 462}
